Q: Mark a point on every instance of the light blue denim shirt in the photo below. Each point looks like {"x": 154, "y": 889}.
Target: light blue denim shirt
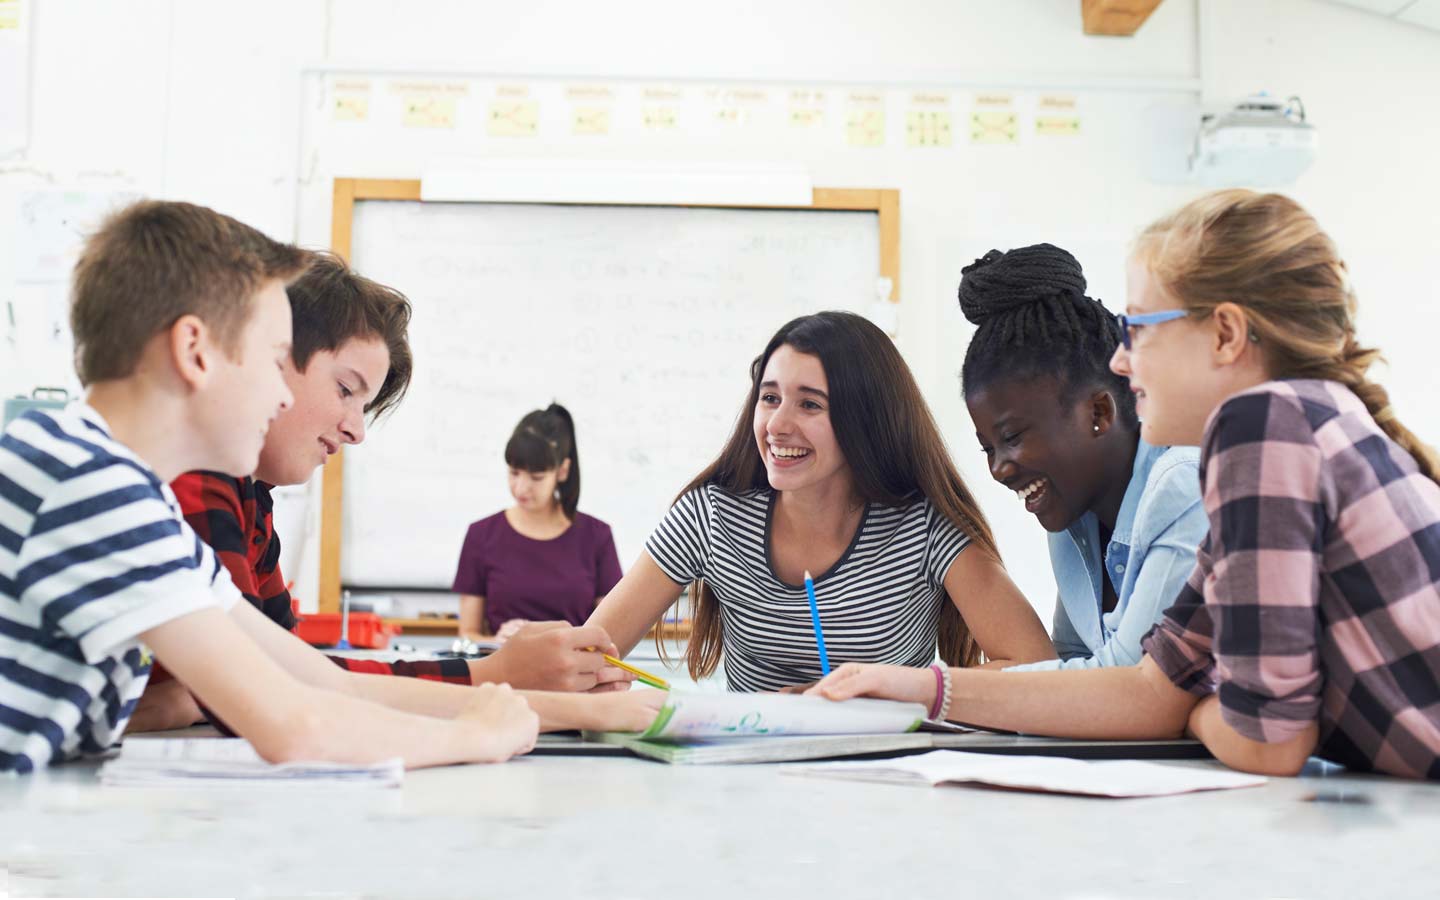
{"x": 1150, "y": 554}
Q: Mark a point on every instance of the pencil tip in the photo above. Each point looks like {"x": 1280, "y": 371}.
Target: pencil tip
{"x": 807, "y": 575}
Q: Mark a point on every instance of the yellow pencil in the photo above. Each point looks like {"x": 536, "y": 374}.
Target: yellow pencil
{"x": 654, "y": 681}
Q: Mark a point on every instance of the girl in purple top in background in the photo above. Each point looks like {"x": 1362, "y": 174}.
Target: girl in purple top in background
{"x": 541, "y": 559}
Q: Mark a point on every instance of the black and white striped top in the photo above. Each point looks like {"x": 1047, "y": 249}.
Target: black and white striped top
{"x": 880, "y": 603}
{"x": 93, "y": 553}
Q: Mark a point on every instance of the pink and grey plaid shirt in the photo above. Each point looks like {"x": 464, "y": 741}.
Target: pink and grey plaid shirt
{"x": 1316, "y": 595}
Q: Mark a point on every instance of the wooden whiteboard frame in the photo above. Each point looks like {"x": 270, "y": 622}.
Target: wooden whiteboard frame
{"x": 883, "y": 202}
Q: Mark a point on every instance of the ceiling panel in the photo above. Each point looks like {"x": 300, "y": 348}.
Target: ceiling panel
{"x": 1383, "y": 7}
{"x": 1423, "y": 12}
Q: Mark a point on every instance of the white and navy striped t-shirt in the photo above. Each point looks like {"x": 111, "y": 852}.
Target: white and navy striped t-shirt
{"x": 880, "y": 603}
{"x": 93, "y": 552}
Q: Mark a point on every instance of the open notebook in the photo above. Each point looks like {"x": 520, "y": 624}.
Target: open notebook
{"x": 699, "y": 729}
{"x": 694, "y": 729}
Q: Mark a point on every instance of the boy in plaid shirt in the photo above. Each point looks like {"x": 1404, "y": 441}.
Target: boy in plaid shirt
{"x": 1311, "y": 623}
{"x": 350, "y": 361}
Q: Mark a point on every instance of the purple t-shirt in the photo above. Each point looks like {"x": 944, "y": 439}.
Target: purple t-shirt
{"x": 525, "y": 578}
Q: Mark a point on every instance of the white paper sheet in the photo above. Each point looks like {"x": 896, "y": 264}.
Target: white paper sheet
{"x": 1058, "y": 775}
{"x": 232, "y": 762}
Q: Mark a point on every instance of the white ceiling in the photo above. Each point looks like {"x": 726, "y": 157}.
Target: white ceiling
{"x": 1425, "y": 13}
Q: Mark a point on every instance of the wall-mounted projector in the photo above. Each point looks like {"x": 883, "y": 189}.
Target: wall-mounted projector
{"x": 1263, "y": 141}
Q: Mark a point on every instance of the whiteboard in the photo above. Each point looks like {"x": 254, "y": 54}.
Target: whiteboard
{"x": 642, "y": 321}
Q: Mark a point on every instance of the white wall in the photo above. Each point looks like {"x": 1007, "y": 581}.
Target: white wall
{"x": 207, "y": 102}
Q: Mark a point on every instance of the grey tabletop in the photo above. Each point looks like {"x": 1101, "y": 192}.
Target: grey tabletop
{"x": 563, "y": 826}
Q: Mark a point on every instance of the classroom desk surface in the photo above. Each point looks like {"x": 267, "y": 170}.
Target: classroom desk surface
{"x": 556, "y": 826}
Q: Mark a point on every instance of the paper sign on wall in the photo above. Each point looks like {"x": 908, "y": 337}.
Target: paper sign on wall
{"x": 429, "y": 104}
{"x": 590, "y": 120}
{"x": 736, "y": 106}
{"x": 1057, "y": 115}
{"x": 14, "y": 77}
{"x": 52, "y": 227}
{"x": 429, "y": 112}
{"x": 590, "y": 109}
{"x": 994, "y": 120}
{"x": 660, "y": 110}
{"x": 350, "y": 101}
{"x": 865, "y": 120}
{"x": 807, "y": 109}
{"x": 928, "y": 122}
{"x": 512, "y": 113}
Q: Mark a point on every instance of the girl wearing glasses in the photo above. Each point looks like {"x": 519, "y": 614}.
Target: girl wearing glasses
{"x": 1311, "y": 624}
{"x": 1058, "y": 428}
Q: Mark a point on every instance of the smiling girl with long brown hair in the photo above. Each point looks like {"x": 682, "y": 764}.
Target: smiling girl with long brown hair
{"x": 835, "y": 467}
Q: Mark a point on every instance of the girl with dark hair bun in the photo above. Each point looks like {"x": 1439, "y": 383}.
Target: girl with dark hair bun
{"x": 834, "y": 466}
{"x": 541, "y": 559}
{"x": 1058, "y": 428}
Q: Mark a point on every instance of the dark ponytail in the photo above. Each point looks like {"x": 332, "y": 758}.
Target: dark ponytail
{"x": 543, "y": 440}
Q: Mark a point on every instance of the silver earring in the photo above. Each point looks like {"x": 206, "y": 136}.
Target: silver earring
{"x": 1095, "y": 428}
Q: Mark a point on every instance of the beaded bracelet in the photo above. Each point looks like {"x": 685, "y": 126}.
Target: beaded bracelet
{"x": 942, "y": 691}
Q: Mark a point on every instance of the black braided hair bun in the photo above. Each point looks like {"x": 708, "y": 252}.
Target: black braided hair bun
{"x": 999, "y": 283}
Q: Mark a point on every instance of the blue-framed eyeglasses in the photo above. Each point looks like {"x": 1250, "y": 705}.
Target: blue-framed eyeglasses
{"x": 1155, "y": 318}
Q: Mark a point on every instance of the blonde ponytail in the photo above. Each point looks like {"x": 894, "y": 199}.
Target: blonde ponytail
{"x": 1350, "y": 371}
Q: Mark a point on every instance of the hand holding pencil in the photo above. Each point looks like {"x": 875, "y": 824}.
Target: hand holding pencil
{"x": 555, "y": 656}
{"x": 641, "y": 675}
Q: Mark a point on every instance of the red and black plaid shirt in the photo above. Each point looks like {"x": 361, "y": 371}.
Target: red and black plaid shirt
{"x": 234, "y": 516}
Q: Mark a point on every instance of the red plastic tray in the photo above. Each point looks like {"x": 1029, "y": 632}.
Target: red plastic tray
{"x": 367, "y": 630}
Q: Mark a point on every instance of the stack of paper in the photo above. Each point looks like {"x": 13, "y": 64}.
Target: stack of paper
{"x": 1101, "y": 778}
{"x": 232, "y": 762}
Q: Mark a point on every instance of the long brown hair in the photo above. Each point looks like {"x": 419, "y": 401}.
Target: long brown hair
{"x": 1265, "y": 253}
{"x": 889, "y": 439}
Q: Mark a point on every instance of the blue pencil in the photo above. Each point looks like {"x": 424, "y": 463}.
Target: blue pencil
{"x": 815, "y": 620}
